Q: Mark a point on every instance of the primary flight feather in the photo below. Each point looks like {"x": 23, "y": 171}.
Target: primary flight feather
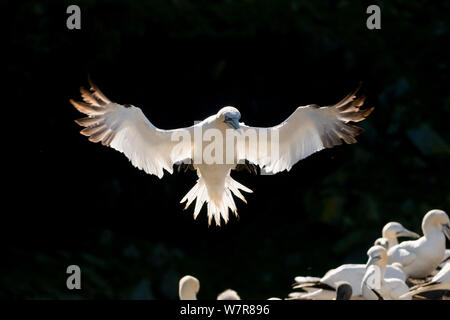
{"x": 309, "y": 129}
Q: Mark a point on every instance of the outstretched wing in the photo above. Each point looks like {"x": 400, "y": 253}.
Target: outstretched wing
{"x": 126, "y": 129}
{"x": 309, "y": 129}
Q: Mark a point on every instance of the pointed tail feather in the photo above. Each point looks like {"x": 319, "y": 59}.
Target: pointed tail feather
{"x": 217, "y": 206}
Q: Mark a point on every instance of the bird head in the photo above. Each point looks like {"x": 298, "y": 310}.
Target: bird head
{"x": 377, "y": 256}
{"x": 382, "y": 242}
{"x": 230, "y": 116}
{"x": 394, "y": 230}
{"x": 436, "y": 219}
{"x": 228, "y": 295}
{"x": 188, "y": 288}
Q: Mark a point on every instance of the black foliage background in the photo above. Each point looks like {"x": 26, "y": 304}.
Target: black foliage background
{"x": 69, "y": 201}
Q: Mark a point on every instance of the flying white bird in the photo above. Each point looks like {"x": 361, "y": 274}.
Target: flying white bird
{"x": 376, "y": 285}
{"x": 420, "y": 257}
{"x": 441, "y": 281}
{"x": 309, "y": 129}
{"x": 189, "y": 286}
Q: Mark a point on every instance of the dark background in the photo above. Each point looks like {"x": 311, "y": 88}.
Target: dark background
{"x": 69, "y": 201}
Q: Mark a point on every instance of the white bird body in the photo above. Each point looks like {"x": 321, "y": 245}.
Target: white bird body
{"x": 307, "y": 130}
{"x": 215, "y": 184}
{"x": 390, "y": 289}
{"x": 427, "y": 248}
{"x": 420, "y": 257}
{"x": 376, "y": 284}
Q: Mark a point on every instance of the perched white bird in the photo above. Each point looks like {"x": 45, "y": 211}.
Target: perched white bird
{"x": 309, "y": 129}
{"x": 441, "y": 281}
{"x": 189, "y": 286}
{"x": 376, "y": 285}
{"x": 390, "y": 234}
{"x": 420, "y": 257}
{"x": 228, "y": 295}
{"x": 324, "y": 288}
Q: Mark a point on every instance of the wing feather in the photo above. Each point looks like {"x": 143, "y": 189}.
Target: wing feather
{"x": 127, "y": 130}
{"x": 308, "y": 130}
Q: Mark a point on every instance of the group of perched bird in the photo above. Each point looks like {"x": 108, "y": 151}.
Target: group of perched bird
{"x": 415, "y": 269}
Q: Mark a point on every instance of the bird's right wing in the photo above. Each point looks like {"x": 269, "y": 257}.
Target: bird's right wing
{"x": 126, "y": 129}
{"x": 308, "y": 130}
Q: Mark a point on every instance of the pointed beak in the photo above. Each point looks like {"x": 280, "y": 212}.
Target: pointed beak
{"x": 408, "y": 234}
{"x": 233, "y": 122}
{"x": 446, "y": 230}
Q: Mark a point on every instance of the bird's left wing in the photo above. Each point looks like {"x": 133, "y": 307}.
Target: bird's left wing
{"x": 126, "y": 129}
{"x": 309, "y": 129}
